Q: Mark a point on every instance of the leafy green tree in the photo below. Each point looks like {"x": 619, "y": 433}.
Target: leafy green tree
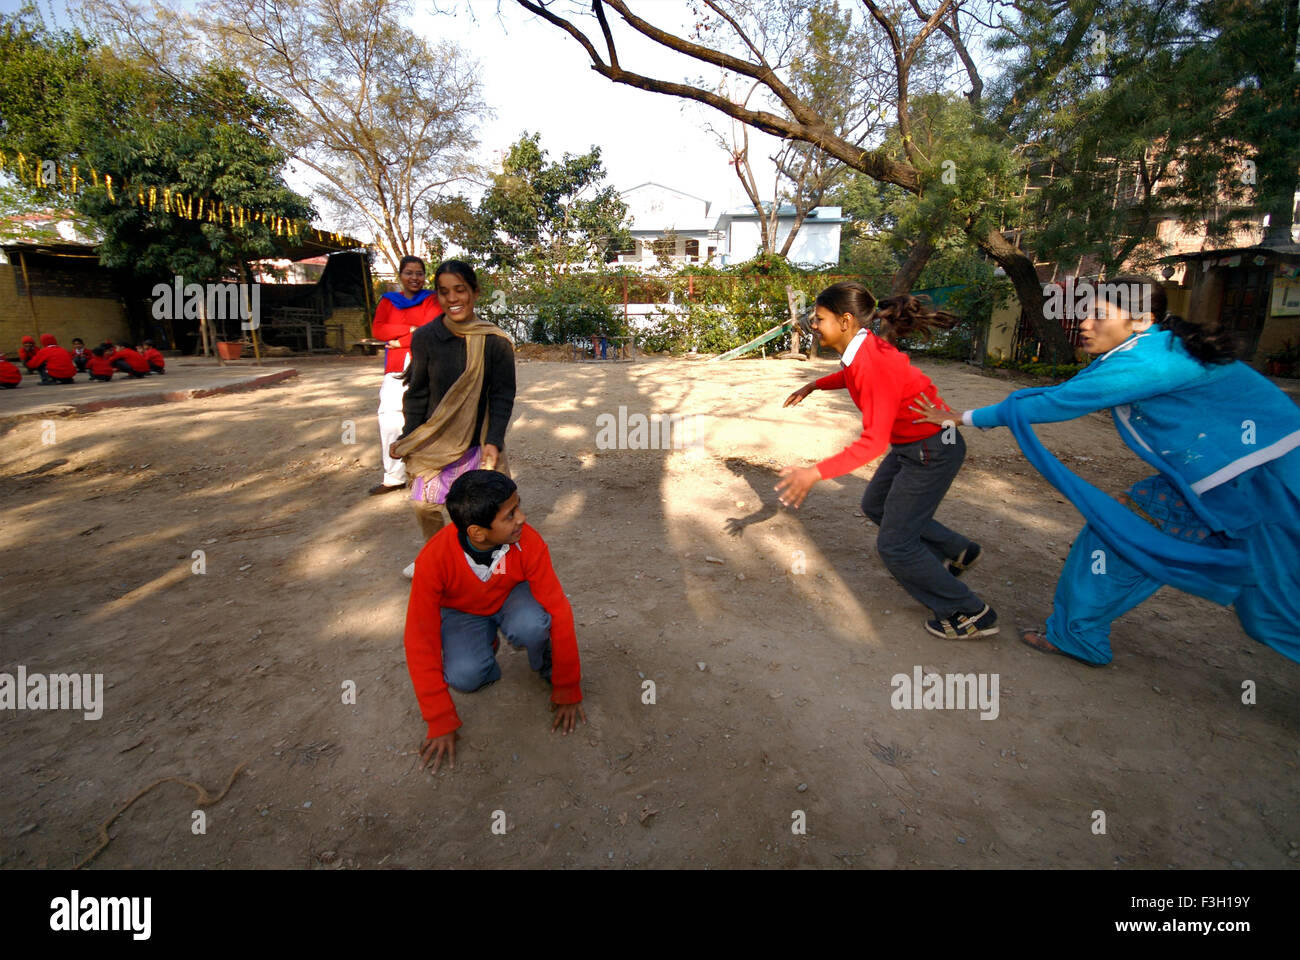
{"x": 1245, "y": 140}
{"x": 45, "y": 76}
{"x": 1184, "y": 109}
{"x": 385, "y": 120}
{"x": 538, "y": 212}
{"x": 158, "y": 140}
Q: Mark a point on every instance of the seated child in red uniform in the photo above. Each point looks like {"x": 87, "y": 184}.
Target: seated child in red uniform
{"x": 79, "y": 354}
{"x": 488, "y": 571}
{"x": 128, "y": 361}
{"x": 52, "y": 362}
{"x": 99, "y": 366}
{"x": 154, "y": 357}
{"x": 10, "y": 376}
{"x": 27, "y": 350}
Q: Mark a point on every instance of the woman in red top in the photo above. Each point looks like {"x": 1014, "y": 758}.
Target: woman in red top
{"x": 399, "y": 315}
{"x": 923, "y": 555}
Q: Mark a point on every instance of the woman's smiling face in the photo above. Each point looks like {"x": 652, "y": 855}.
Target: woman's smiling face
{"x": 456, "y": 296}
{"x": 412, "y": 279}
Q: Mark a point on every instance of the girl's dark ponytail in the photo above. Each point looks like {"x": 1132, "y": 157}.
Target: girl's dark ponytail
{"x": 1207, "y": 344}
{"x": 906, "y": 316}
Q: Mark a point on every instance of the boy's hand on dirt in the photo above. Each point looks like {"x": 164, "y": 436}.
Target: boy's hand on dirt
{"x": 566, "y": 717}
{"x": 795, "y": 398}
{"x": 795, "y": 486}
{"x": 436, "y": 748}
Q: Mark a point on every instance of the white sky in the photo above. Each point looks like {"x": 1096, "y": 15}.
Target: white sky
{"x": 537, "y": 78}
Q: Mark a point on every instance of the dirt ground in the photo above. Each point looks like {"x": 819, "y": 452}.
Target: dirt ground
{"x": 772, "y": 687}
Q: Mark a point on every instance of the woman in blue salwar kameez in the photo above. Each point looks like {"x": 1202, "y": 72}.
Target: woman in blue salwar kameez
{"x": 1221, "y": 518}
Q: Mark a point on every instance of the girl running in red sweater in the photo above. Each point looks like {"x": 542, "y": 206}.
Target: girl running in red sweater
{"x": 923, "y": 555}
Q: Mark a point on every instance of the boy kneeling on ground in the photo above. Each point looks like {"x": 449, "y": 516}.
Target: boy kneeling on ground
{"x": 486, "y": 572}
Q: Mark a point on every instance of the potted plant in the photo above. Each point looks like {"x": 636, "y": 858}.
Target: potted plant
{"x": 230, "y": 349}
{"x": 1282, "y": 361}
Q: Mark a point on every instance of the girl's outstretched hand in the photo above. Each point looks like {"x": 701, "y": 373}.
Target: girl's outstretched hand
{"x": 931, "y": 412}
{"x": 799, "y": 394}
{"x": 795, "y": 484}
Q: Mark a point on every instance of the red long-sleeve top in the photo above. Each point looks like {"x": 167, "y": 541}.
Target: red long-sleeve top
{"x": 443, "y": 578}
{"x": 58, "y": 362}
{"x": 136, "y": 362}
{"x": 394, "y": 324}
{"x": 153, "y": 356}
{"x": 883, "y": 384}
{"x": 9, "y": 373}
{"x": 99, "y": 366}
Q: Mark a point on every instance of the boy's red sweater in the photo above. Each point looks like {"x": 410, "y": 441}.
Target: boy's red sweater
{"x": 136, "y": 362}
{"x": 9, "y": 373}
{"x": 884, "y": 384}
{"x": 58, "y": 362}
{"x": 394, "y": 324}
{"x": 153, "y": 356}
{"x": 443, "y": 578}
{"x": 99, "y": 365}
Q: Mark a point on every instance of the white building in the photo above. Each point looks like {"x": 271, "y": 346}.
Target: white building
{"x": 817, "y": 244}
{"x": 662, "y": 216}
{"x": 672, "y": 225}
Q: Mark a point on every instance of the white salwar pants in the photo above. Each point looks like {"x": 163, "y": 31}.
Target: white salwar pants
{"x": 391, "y": 422}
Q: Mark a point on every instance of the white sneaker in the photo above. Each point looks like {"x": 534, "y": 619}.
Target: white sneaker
{"x": 409, "y": 572}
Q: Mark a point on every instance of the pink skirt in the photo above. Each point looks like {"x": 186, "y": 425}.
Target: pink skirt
{"x": 436, "y": 489}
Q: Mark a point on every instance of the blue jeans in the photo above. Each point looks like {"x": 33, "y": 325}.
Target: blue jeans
{"x": 468, "y": 661}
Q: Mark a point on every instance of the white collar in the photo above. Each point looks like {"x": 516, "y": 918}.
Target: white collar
{"x": 851, "y": 350}
{"x": 1128, "y": 344}
{"x": 485, "y": 571}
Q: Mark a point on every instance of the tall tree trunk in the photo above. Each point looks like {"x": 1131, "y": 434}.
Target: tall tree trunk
{"x": 906, "y": 277}
{"x": 792, "y": 299}
{"x": 1029, "y": 291}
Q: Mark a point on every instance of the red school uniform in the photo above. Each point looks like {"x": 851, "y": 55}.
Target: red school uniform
{"x": 884, "y": 385}
{"x": 443, "y": 578}
{"x": 155, "y": 358}
{"x": 99, "y": 366}
{"x": 136, "y": 362}
{"x": 58, "y": 362}
{"x": 9, "y": 374}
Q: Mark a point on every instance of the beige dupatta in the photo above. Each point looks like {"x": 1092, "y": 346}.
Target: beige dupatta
{"x": 449, "y": 432}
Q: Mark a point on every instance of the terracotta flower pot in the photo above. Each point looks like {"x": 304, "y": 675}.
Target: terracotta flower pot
{"x": 230, "y": 349}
